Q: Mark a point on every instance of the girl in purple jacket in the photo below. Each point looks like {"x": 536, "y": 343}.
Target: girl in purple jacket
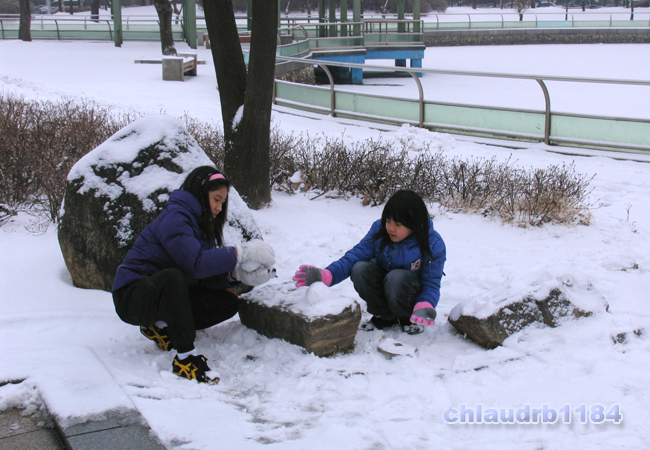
{"x": 396, "y": 268}
{"x": 177, "y": 277}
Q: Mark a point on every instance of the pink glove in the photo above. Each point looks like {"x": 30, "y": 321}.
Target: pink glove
{"x": 423, "y": 314}
{"x": 307, "y": 275}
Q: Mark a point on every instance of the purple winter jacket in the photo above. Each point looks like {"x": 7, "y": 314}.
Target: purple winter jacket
{"x": 175, "y": 240}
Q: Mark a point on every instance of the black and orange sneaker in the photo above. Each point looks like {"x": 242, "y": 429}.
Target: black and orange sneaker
{"x": 194, "y": 368}
{"x": 159, "y": 336}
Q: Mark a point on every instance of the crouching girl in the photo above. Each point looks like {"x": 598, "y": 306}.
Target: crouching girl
{"x": 178, "y": 276}
{"x": 396, "y": 268}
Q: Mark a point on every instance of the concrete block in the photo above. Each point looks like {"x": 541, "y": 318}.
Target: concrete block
{"x": 172, "y": 68}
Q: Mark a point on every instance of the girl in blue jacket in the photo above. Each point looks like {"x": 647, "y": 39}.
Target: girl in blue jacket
{"x": 396, "y": 268}
{"x": 176, "y": 277}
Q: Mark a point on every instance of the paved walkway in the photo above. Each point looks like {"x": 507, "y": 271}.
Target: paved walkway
{"x": 18, "y": 432}
{"x": 124, "y": 431}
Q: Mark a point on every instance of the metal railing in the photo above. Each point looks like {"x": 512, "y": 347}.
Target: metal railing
{"x": 536, "y": 20}
{"x": 86, "y": 26}
{"x": 553, "y": 128}
{"x": 143, "y": 27}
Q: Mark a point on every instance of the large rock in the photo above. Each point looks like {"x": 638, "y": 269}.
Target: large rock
{"x": 313, "y": 318}
{"x": 115, "y": 190}
{"x": 490, "y": 323}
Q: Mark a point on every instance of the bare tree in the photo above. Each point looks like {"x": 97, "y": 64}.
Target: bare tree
{"x": 522, "y": 6}
{"x": 24, "y": 28}
{"x": 94, "y": 10}
{"x": 165, "y": 13}
{"x": 246, "y": 97}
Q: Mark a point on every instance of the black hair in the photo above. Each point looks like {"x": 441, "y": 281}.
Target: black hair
{"x": 407, "y": 208}
{"x": 198, "y": 183}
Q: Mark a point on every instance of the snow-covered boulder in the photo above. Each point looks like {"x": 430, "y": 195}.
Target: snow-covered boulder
{"x": 313, "y": 317}
{"x": 115, "y": 190}
{"x": 551, "y": 302}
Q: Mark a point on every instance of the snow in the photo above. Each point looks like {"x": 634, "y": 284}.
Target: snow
{"x": 73, "y": 350}
{"x": 312, "y": 302}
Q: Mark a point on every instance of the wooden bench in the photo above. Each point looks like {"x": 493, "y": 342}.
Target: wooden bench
{"x": 174, "y": 68}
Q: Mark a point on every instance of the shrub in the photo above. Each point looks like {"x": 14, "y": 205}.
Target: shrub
{"x": 438, "y": 5}
{"x": 41, "y": 141}
{"x": 374, "y": 170}
{"x": 11, "y": 7}
{"x": 39, "y": 144}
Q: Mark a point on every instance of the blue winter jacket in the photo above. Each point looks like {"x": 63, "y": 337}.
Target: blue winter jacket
{"x": 401, "y": 255}
{"x": 175, "y": 240}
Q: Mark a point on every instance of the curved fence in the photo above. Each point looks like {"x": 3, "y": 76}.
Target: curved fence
{"x": 544, "y": 125}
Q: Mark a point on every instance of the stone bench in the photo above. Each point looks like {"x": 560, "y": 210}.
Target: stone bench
{"x": 174, "y": 68}
{"x": 312, "y": 318}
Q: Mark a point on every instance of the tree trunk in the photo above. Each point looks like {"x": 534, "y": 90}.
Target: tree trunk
{"x": 165, "y": 12}
{"x": 247, "y": 129}
{"x": 228, "y": 60}
{"x": 24, "y": 28}
{"x": 252, "y": 142}
{"x": 94, "y": 10}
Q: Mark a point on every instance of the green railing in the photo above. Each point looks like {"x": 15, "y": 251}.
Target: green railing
{"x": 136, "y": 28}
{"x": 376, "y": 30}
{"x": 536, "y": 20}
{"x": 553, "y": 128}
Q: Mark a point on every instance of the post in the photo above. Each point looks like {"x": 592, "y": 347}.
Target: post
{"x": 356, "y": 17}
{"x": 189, "y": 13}
{"x": 400, "y": 15}
{"x": 321, "y": 18}
{"x": 344, "y": 17}
{"x": 416, "y": 16}
{"x": 332, "y": 28}
{"x": 117, "y": 22}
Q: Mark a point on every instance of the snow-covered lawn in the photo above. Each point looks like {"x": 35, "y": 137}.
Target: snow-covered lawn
{"x": 274, "y": 395}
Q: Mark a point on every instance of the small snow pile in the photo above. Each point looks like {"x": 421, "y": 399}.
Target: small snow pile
{"x": 417, "y": 139}
{"x": 20, "y": 395}
{"x": 313, "y": 302}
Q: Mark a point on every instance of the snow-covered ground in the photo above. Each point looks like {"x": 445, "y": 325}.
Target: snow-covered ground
{"x": 274, "y": 395}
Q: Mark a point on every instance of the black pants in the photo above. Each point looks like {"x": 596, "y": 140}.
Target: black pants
{"x": 185, "y": 308}
{"x": 388, "y": 294}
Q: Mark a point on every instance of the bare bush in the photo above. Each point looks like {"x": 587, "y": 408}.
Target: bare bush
{"x": 41, "y": 141}
{"x": 375, "y": 169}
{"x": 438, "y": 5}
{"x": 209, "y": 137}
{"x": 39, "y": 144}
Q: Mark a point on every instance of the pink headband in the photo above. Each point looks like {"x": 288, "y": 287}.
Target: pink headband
{"x": 216, "y": 176}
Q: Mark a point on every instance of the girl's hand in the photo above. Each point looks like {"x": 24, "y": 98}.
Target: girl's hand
{"x": 254, "y": 254}
{"x": 306, "y": 275}
{"x": 255, "y": 277}
{"x": 423, "y": 314}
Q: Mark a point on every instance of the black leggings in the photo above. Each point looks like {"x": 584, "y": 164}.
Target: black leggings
{"x": 185, "y": 308}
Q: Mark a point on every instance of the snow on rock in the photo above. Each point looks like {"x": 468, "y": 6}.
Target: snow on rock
{"x": 313, "y": 301}
{"x": 550, "y": 301}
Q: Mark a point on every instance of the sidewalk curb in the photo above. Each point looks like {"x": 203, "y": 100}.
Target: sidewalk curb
{"x": 88, "y": 414}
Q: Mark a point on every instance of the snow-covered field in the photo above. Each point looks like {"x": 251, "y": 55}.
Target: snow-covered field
{"x": 274, "y": 395}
